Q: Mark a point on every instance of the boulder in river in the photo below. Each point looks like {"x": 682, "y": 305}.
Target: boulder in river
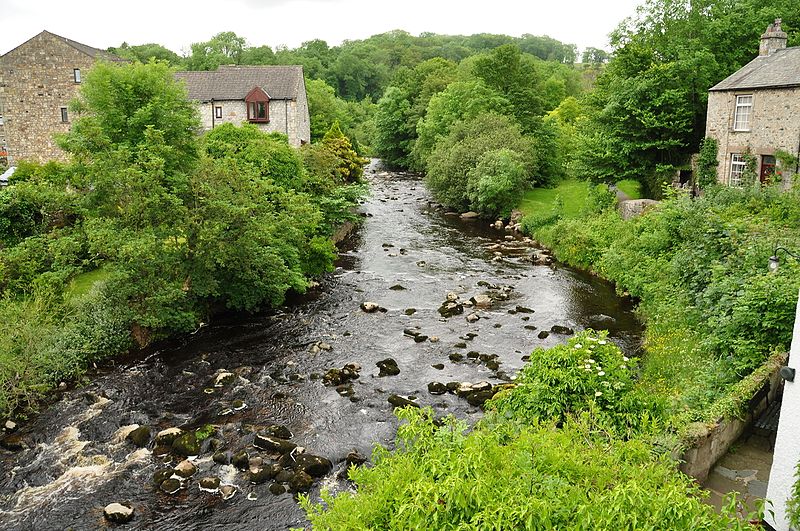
{"x": 279, "y": 431}
{"x": 140, "y": 436}
{"x": 543, "y": 334}
{"x": 9, "y": 426}
{"x": 118, "y": 513}
{"x": 186, "y": 445}
{"x": 222, "y": 458}
{"x": 313, "y": 465}
{"x": 171, "y": 485}
{"x": 355, "y": 458}
{"x": 185, "y": 469}
{"x": 437, "y": 388}
{"x": 241, "y": 460}
{"x": 563, "y": 330}
{"x": 263, "y": 474}
{"x": 482, "y": 301}
{"x": 388, "y": 367}
{"x": 277, "y": 489}
{"x": 273, "y": 444}
{"x": 478, "y": 398}
{"x": 473, "y": 317}
{"x": 167, "y": 437}
{"x": 401, "y": 401}
{"x": 451, "y": 308}
{"x": 370, "y": 307}
{"x": 470, "y": 215}
{"x": 209, "y": 484}
{"x": 224, "y": 378}
{"x": 300, "y": 482}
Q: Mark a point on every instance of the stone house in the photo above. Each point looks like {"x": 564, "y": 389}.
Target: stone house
{"x": 38, "y": 79}
{"x": 754, "y": 113}
{"x": 272, "y": 97}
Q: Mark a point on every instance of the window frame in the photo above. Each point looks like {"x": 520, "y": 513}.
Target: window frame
{"x": 739, "y": 162}
{"x": 218, "y": 112}
{"x": 742, "y": 118}
{"x": 64, "y": 114}
{"x": 256, "y": 101}
{"x": 76, "y": 75}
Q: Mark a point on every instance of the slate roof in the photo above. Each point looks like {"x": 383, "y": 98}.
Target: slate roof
{"x": 781, "y": 68}
{"x": 95, "y": 53}
{"x": 234, "y": 82}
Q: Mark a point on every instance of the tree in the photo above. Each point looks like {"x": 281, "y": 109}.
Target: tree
{"x": 496, "y": 183}
{"x": 595, "y": 56}
{"x": 351, "y": 166}
{"x": 145, "y": 52}
{"x": 223, "y": 48}
{"x": 324, "y": 108}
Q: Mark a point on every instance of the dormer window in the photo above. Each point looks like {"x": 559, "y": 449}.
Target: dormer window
{"x": 76, "y": 74}
{"x": 257, "y": 102}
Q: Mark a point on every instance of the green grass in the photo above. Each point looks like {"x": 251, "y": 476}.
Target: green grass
{"x": 631, "y": 188}
{"x": 541, "y": 200}
{"x": 81, "y": 284}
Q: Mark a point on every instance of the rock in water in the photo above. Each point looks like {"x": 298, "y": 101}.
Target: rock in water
{"x": 276, "y": 430}
{"x": 277, "y": 489}
{"x": 451, "y": 308}
{"x": 300, "y": 482}
{"x": 273, "y": 444}
{"x": 388, "y": 367}
{"x": 437, "y": 388}
{"x": 473, "y": 317}
{"x": 186, "y": 445}
{"x": 370, "y": 307}
{"x": 401, "y": 401}
{"x": 118, "y": 513}
{"x": 543, "y": 334}
{"x": 185, "y": 469}
{"x": 313, "y": 465}
{"x": 470, "y": 215}
{"x": 241, "y": 460}
{"x": 209, "y": 484}
{"x": 168, "y": 436}
{"x": 140, "y": 436}
{"x": 171, "y": 486}
{"x": 564, "y": 330}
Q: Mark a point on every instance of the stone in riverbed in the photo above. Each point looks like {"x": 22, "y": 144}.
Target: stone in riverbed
{"x": 456, "y": 357}
{"x": 209, "y": 483}
{"x": 479, "y": 397}
{"x": 345, "y": 390}
{"x": 224, "y": 378}
{"x": 263, "y": 474}
{"x": 241, "y": 460}
{"x": 437, "y": 388}
{"x": 12, "y": 442}
{"x": 473, "y": 317}
{"x": 481, "y": 301}
{"x": 438, "y": 366}
{"x": 355, "y": 458}
{"x": 388, "y": 367}
{"x": 460, "y": 345}
{"x": 529, "y": 327}
{"x": 10, "y": 426}
{"x": 523, "y": 309}
{"x": 279, "y": 431}
{"x": 469, "y": 215}
{"x": 401, "y": 401}
{"x": 301, "y": 482}
{"x": 167, "y": 437}
{"x": 185, "y": 469}
{"x": 543, "y": 334}
{"x": 283, "y": 476}
{"x": 222, "y": 458}
{"x": 563, "y": 330}
{"x": 170, "y": 486}
{"x": 451, "y": 308}
{"x": 397, "y": 287}
{"x": 161, "y": 475}
{"x": 140, "y": 436}
{"x": 186, "y": 445}
{"x": 273, "y": 444}
{"x": 118, "y": 513}
{"x": 492, "y": 365}
{"x": 370, "y": 307}
{"x": 420, "y": 338}
{"x": 277, "y": 489}
{"x": 227, "y": 491}
{"x": 313, "y": 465}
{"x": 410, "y": 311}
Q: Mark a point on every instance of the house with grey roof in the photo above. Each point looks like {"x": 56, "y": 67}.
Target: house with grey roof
{"x": 38, "y": 79}
{"x": 754, "y": 113}
{"x": 271, "y": 97}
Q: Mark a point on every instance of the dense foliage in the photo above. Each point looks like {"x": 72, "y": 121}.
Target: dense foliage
{"x": 531, "y": 464}
{"x": 150, "y": 226}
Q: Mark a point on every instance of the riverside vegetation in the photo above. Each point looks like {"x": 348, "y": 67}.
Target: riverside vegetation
{"x": 151, "y": 228}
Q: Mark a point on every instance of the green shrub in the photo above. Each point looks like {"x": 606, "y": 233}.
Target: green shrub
{"x": 496, "y": 183}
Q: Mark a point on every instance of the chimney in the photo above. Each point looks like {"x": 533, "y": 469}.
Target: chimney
{"x": 774, "y": 39}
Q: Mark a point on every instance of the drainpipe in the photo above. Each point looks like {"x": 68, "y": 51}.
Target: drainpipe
{"x": 286, "y": 117}
{"x": 213, "y": 114}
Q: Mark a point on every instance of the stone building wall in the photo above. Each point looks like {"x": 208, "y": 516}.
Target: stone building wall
{"x": 38, "y": 80}
{"x": 283, "y": 118}
{"x": 774, "y": 125}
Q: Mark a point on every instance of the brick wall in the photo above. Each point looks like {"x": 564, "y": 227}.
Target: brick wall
{"x": 38, "y": 81}
{"x": 774, "y": 125}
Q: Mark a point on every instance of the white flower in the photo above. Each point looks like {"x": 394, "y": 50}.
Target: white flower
{"x": 598, "y": 393}
{"x": 623, "y": 366}
{"x": 588, "y": 370}
{"x": 602, "y": 342}
{"x": 587, "y": 366}
{"x": 625, "y": 358}
{"x": 578, "y": 345}
{"x": 601, "y": 373}
{"x": 590, "y": 360}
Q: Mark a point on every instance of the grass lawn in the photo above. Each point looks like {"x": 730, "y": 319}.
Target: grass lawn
{"x": 81, "y": 284}
{"x": 631, "y": 188}
{"x": 572, "y": 192}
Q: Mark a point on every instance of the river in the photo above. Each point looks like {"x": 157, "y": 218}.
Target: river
{"x": 408, "y": 255}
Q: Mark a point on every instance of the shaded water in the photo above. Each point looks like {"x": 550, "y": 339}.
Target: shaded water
{"x": 77, "y": 459}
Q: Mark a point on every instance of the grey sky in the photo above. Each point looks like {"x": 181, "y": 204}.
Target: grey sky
{"x": 178, "y": 23}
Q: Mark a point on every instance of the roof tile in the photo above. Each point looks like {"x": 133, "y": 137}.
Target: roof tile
{"x": 234, "y": 82}
{"x": 778, "y": 69}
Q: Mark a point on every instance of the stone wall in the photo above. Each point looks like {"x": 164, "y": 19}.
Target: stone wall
{"x": 38, "y": 80}
{"x": 774, "y": 125}
{"x": 283, "y": 118}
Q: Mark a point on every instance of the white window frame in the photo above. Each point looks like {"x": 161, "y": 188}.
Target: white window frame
{"x": 737, "y": 169}
{"x": 218, "y": 112}
{"x": 743, "y": 112}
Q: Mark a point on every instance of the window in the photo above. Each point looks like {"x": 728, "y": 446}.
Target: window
{"x": 738, "y": 166}
{"x": 64, "y": 115}
{"x": 257, "y": 102}
{"x": 744, "y": 108}
{"x": 217, "y": 112}
{"x": 76, "y": 73}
